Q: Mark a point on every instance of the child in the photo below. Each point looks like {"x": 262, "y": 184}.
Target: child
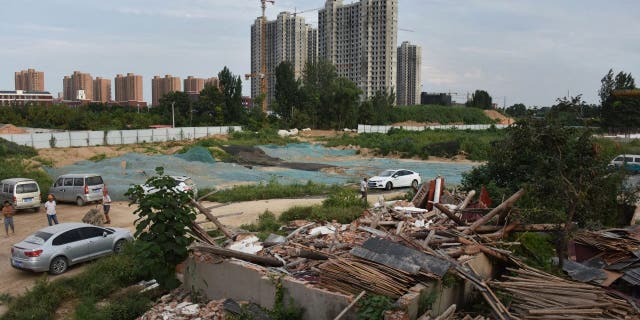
{"x": 50, "y": 205}
{"x": 7, "y": 212}
{"x": 106, "y": 205}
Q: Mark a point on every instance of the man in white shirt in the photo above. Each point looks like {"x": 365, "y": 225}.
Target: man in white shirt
{"x": 363, "y": 189}
{"x": 50, "y": 205}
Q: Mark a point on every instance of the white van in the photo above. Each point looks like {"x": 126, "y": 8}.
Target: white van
{"x": 631, "y": 162}
{"x": 80, "y": 188}
{"x": 23, "y": 193}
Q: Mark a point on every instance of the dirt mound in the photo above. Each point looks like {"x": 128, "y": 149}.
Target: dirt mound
{"x": 495, "y": 115}
{"x": 255, "y": 156}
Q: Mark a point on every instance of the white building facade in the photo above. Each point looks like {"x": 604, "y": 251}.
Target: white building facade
{"x": 360, "y": 39}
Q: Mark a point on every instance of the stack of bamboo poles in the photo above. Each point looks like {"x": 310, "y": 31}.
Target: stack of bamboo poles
{"x": 615, "y": 249}
{"x": 351, "y": 276}
{"x": 539, "y": 295}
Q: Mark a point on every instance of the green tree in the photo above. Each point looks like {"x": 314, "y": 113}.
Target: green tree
{"x": 162, "y": 228}
{"x": 209, "y": 109}
{"x": 181, "y": 108}
{"x": 316, "y": 93}
{"x": 517, "y": 110}
{"x": 624, "y": 81}
{"x": 480, "y": 99}
{"x": 231, "y": 86}
{"x": 343, "y": 105}
{"x": 562, "y": 170}
{"x": 607, "y": 86}
{"x": 287, "y": 90}
{"x": 568, "y": 111}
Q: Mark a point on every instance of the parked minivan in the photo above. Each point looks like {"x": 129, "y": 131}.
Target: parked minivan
{"x": 23, "y": 193}
{"x": 80, "y": 188}
{"x": 630, "y": 162}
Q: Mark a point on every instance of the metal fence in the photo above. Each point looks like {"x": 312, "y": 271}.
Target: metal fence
{"x": 364, "y": 128}
{"x": 115, "y": 137}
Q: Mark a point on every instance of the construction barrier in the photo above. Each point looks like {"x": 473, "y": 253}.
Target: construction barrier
{"x": 67, "y": 139}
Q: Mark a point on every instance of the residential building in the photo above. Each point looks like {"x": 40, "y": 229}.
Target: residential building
{"x": 161, "y": 86}
{"x": 29, "y": 80}
{"x": 128, "y": 89}
{"x": 409, "y": 64}
{"x": 312, "y": 44}
{"x": 360, "y": 39}
{"x": 286, "y": 39}
{"x": 193, "y": 84}
{"x": 23, "y": 98}
{"x": 102, "y": 90}
{"x": 77, "y": 86}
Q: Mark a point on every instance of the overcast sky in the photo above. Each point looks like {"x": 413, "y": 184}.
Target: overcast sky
{"x": 531, "y": 51}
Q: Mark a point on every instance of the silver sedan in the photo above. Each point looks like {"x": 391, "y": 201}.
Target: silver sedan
{"x": 57, "y": 247}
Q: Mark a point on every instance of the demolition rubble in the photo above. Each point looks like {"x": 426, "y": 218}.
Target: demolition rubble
{"x": 398, "y": 249}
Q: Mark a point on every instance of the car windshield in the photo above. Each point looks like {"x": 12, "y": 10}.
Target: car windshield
{"x": 38, "y": 238}
{"x": 387, "y": 173}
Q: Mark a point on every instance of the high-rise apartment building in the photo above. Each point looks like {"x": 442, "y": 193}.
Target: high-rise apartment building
{"x": 77, "y": 86}
{"x": 286, "y": 39}
{"x": 128, "y": 88}
{"x": 161, "y": 86}
{"x": 29, "y": 80}
{"x": 360, "y": 39}
{"x": 195, "y": 85}
{"x": 409, "y": 64}
{"x": 101, "y": 90}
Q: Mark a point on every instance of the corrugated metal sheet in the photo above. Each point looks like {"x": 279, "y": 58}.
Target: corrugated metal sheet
{"x": 398, "y": 256}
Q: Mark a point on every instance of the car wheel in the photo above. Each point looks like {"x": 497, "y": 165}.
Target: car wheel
{"x": 118, "y": 247}
{"x": 80, "y": 202}
{"x": 58, "y": 265}
{"x": 388, "y": 186}
{"x": 414, "y": 184}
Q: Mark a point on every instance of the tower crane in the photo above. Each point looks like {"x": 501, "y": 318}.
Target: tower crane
{"x": 262, "y": 75}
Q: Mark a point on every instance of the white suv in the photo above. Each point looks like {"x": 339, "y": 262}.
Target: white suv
{"x": 183, "y": 184}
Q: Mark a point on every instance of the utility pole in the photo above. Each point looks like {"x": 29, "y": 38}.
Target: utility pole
{"x": 173, "y": 115}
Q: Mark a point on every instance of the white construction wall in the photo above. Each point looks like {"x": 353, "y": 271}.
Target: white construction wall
{"x": 364, "y": 128}
{"x": 114, "y": 137}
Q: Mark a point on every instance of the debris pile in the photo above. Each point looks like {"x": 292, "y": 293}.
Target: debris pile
{"x": 539, "y": 295}
{"x": 178, "y": 305}
{"x": 94, "y": 217}
{"x": 395, "y": 245}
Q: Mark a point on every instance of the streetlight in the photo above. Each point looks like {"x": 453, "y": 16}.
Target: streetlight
{"x": 173, "y": 116}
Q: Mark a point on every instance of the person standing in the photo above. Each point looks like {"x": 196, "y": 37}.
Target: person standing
{"x": 7, "y": 212}
{"x": 363, "y": 189}
{"x": 50, "y": 205}
{"x": 106, "y": 205}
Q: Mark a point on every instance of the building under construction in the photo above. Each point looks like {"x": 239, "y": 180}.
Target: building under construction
{"x": 272, "y": 42}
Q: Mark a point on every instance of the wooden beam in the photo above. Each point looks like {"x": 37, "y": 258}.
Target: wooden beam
{"x": 506, "y": 204}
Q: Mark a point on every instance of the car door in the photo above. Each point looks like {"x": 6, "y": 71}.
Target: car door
{"x": 66, "y": 190}
{"x": 72, "y": 244}
{"x": 56, "y": 189}
{"x": 98, "y": 244}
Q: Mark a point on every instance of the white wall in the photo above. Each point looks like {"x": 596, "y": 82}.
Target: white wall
{"x": 114, "y": 137}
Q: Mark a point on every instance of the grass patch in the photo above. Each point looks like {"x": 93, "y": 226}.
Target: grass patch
{"x": 12, "y": 149}
{"x": 95, "y": 283}
{"x": 271, "y": 190}
{"x": 423, "y": 144}
{"x": 342, "y": 206}
{"x": 439, "y": 114}
{"x": 267, "y": 223}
